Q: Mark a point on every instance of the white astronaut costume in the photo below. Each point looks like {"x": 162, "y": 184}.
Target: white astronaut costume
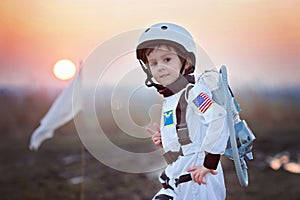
{"x": 204, "y": 119}
{"x": 208, "y": 133}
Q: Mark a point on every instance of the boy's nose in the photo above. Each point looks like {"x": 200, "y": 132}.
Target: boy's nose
{"x": 161, "y": 66}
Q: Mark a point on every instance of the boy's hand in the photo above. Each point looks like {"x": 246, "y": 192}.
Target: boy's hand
{"x": 156, "y": 136}
{"x": 199, "y": 173}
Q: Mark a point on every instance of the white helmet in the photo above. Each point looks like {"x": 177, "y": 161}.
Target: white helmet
{"x": 169, "y": 33}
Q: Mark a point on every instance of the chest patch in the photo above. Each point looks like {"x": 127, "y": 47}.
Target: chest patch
{"x": 168, "y": 118}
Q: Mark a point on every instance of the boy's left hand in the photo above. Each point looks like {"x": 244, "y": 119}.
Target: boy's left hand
{"x": 199, "y": 173}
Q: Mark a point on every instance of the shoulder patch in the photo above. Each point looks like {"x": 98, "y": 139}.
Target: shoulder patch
{"x": 203, "y": 102}
{"x": 168, "y": 118}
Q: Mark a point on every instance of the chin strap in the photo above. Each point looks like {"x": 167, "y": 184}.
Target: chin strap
{"x": 149, "y": 82}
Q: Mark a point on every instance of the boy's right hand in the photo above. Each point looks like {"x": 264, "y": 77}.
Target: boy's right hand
{"x": 156, "y": 136}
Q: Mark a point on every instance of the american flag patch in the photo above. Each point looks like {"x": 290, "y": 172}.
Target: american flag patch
{"x": 203, "y": 102}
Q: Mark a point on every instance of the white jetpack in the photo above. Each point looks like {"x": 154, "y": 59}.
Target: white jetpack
{"x": 241, "y": 137}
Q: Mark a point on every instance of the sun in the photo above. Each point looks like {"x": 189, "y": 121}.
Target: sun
{"x": 64, "y": 69}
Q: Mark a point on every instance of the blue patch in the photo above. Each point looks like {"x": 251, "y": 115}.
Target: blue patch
{"x": 168, "y": 118}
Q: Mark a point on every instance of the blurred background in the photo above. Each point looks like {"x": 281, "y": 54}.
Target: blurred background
{"x": 259, "y": 41}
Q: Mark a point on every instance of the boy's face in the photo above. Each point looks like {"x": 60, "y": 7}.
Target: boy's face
{"x": 164, "y": 65}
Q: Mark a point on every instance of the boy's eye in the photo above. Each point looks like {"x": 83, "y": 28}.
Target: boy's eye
{"x": 152, "y": 64}
{"x": 167, "y": 59}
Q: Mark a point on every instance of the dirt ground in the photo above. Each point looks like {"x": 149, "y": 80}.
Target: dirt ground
{"x": 62, "y": 169}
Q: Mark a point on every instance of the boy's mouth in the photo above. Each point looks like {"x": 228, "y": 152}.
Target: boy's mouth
{"x": 163, "y": 76}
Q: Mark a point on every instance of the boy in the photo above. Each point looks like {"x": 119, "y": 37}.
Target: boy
{"x": 193, "y": 130}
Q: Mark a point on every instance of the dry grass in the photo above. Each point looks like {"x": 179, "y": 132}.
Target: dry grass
{"x": 46, "y": 174}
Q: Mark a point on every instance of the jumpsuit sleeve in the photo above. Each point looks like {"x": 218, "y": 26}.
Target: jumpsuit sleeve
{"x": 212, "y": 116}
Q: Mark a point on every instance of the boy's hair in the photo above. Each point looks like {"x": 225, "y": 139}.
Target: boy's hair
{"x": 183, "y": 55}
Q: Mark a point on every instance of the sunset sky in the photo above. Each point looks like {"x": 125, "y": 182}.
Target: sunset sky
{"x": 259, "y": 40}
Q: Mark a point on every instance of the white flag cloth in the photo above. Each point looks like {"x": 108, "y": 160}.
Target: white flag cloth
{"x": 62, "y": 111}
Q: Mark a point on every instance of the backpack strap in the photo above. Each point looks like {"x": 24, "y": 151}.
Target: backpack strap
{"x": 181, "y": 127}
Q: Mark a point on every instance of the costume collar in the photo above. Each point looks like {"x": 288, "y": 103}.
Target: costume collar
{"x": 175, "y": 87}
